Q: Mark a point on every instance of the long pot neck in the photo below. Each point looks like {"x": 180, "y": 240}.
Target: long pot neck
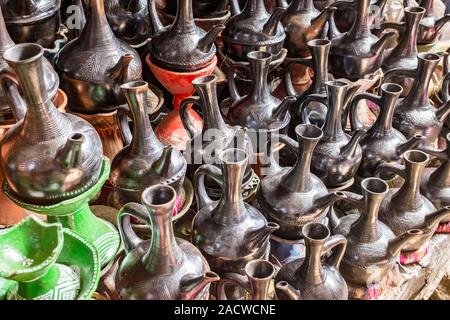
{"x": 260, "y": 72}
{"x": 383, "y": 123}
{"x": 144, "y": 140}
{"x": 299, "y": 177}
{"x": 320, "y": 60}
{"x": 255, "y": 8}
{"x": 418, "y": 95}
{"x": 408, "y": 196}
{"x": 311, "y": 270}
{"x": 164, "y": 254}
{"x": 210, "y": 106}
{"x": 408, "y": 44}
{"x": 97, "y": 31}
{"x": 5, "y": 39}
{"x": 42, "y": 121}
{"x": 365, "y": 228}
{"x": 360, "y": 26}
{"x": 332, "y": 127}
{"x": 231, "y": 208}
{"x": 184, "y": 20}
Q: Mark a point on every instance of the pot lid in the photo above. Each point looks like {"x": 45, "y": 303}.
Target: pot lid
{"x": 28, "y": 11}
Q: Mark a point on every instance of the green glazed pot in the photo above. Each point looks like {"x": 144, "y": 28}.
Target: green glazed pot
{"x": 42, "y": 261}
{"x": 75, "y": 214}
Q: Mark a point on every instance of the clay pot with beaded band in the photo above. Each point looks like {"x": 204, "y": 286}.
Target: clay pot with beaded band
{"x": 182, "y": 46}
{"x": 406, "y": 208}
{"x": 144, "y": 161}
{"x": 357, "y": 53}
{"x": 49, "y": 156}
{"x": 381, "y": 141}
{"x": 165, "y": 267}
{"x": 93, "y": 66}
{"x": 372, "y": 247}
{"x": 229, "y": 232}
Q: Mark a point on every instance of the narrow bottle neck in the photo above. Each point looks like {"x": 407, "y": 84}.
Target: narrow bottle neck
{"x": 408, "y": 196}
{"x": 97, "y": 31}
{"x": 231, "y": 208}
{"x": 408, "y": 44}
{"x": 164, "y": 254}
{"x": 260, "y": 72}
{"x": 184, "y": 21}
{"x": 5, "y": 39}
{"x": 255, "y": 7}
{"x": 299, "y": 177}
{"x": 210, "y": 107}
{"x": 311, "y": 271}
{"x": 320, "y": 60}
{"x": 144, "y": 139}
{"x": 418, "y": 95}
{"x": 365, "y": 228}
{"x": 332, "y": 127}
{"x": 360, "y": 26}
{"x": 42, "y": 121}
{"x": 308, "y": 5}
{"x": 384, "y": 120}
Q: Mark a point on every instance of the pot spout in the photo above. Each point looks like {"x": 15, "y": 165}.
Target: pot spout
{"x": 396, "y": 245}
{"x": 320, "y": 204}
{"x": 381, "y": 45}
{"x": 270, "y": 28}
{"x": 349, "y": 150}
{"x": 70, "y": 155}
{"x": 162, "y": 166}
{"x": 412, "y": 143}
{"x": 319, "y": 23}
{"x": 288, "y": 290}
{"x": 257, "y": 238}
{"x": 436, "y": 217}
{"x": 191, "y": 288}
{"x": 205, "y": 44}
{"x": 441, "y": 22}
{"x": 119, "y": 73}
{"x": 284, "y": 106}
{"x": 443, "y": 112}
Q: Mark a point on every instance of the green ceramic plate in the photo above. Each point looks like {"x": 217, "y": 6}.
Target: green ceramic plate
{"x": 78, "y": 254}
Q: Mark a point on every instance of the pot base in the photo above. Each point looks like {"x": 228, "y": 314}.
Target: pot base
{"x": 76, "y": 215}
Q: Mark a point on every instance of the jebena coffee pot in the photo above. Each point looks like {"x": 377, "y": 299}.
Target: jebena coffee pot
{"x": 165, "y": 267}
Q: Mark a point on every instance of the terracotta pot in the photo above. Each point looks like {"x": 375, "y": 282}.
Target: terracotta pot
{"x": 170, "y": 130}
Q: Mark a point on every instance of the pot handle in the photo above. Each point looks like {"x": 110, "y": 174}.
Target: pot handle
{"x": 184, "y": 114}
{"x": 355, "y": 122}
{"x": 321, "y": 98}
{"x": 129, "y": 237}
{"x": 445, "y": 88}
{"x": 10, "y": 85}
{"x": 288, "y": 75}
{"x": 211, "y": 171}
{"x": 289, "y": 142}
{"x": 392, "y": 168}
{"x": 339, "y": 243}
{"x": 232, "y": 87}
{"x": 124, "y": 126}
{"x": 233, "y": 279}
{"x": 398, "y": 26}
